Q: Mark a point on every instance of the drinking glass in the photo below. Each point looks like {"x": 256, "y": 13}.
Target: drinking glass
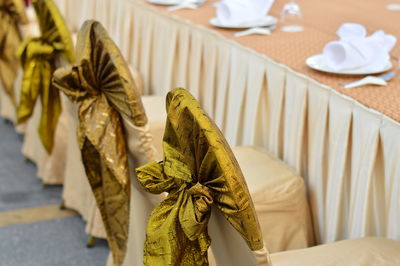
{"x": 291, "y": 17}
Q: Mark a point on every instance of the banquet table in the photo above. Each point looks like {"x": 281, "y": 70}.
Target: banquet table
{"x": 260, "y": 92}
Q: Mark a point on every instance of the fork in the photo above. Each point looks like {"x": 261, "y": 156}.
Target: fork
{"x": 379, "y": 80}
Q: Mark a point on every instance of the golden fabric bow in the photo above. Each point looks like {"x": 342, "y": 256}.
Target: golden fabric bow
{"x": 103, "y": 85}
{"x": 38, "y": 56}
{"x": 12, "y": 13}
{"x": 198, "y": 170}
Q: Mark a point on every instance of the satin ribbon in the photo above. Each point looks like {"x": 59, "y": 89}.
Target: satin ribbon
{"x": 198, "y": 170}
{"x": 39, "y": 58}
{"x": 12, "y": 13}
{"x": 102, "y": 85}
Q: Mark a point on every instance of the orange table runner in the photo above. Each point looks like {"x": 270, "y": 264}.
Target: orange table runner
{"x": 321, "y": 19}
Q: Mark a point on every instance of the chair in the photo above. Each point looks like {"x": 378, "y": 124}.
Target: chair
{"x": 44, "y": 141}
{"x": 198, "y": 171}
{"x": 12, "y": 16}
{"x": 371, "y": 251}
{"x": 113, "y": 132}
{"x": 77, "y": 194}
{"x": 280, "y": 202}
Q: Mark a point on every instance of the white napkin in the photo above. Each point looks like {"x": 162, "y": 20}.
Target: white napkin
{"x": 357, "y": 50}
{"x": 235, "y": 12}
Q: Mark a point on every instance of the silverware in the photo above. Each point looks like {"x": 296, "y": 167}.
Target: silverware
{"x": 374, "y": 79}
{"x": 386, "y": 76}
{"x": 187, "y": 4}
{"x": 255, "y": 30}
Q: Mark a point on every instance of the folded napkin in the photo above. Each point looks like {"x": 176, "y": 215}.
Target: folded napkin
{"x": 234, "y": 12}
{"x": 357, "y": 50}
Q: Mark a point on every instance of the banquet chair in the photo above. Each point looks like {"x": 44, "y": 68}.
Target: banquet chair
{"x": 198, "y": 171}
{"x": 113, "y": 133}
{"x": 77, "y": 194}
{"x": 46, "y": 129}
{"x": 230, "y": 249}
{"x": 279, "y": 198}
{"x": 12, "y": 17}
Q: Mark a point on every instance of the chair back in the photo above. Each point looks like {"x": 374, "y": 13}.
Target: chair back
{"x": 111, "y": 121}
{"x": 39, "y": 57}
{"x": 12, "y": 15}
{"x": 199, "y": 171}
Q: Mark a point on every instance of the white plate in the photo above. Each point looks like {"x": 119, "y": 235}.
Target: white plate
{"x": 318, "y": 62}
{"x": 263, "y": 22}
{"x": 165, "y": 2}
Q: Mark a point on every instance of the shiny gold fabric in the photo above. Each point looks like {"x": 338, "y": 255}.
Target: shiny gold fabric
{"x": 102, "y": 84}
{"x": 12, "y": 13}
{"x": 198, "y": 170}
{"x": 39, "y": 57}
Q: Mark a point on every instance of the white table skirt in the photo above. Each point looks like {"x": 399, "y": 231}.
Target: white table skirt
{"x": 347, "y": 153}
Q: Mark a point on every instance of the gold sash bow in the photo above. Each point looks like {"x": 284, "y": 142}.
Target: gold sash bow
{"x": 38, "y": 56}
{"x": 12, "y": 13}
{"x": 102, "y": 84}
{"x": 198, "y": 170}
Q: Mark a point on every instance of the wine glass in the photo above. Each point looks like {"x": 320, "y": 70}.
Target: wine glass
{"x": 291, "y": 17}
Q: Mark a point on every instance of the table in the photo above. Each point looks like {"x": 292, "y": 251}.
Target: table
{"x": 259, "y": 92}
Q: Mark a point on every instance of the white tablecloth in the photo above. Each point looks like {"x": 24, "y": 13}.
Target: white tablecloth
{"x": 347, "y": 153}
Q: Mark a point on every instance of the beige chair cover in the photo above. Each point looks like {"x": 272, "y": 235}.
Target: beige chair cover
{"x": 355, "y": 252}
{"x": 279, "y": 197}
{"x": 50, "y": 168}
{"x": 142, "y": 203}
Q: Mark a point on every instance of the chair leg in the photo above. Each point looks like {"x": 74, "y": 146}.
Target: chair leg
{"x": 91, "y": 241}
{"x": 62, "y": 205}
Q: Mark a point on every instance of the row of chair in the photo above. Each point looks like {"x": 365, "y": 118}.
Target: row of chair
{"x": 100, "y": 129}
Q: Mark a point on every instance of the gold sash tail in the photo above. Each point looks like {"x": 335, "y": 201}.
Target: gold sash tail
{"x": 39, "y": 58}
{"x": 12, "y": 13}
{"x": 198, "y": 170}
{"x": 102, "y": 85}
